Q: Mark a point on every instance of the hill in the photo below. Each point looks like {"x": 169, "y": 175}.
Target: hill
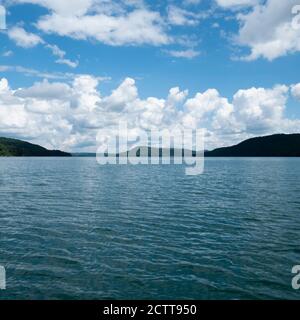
{"x": 18, "y": 148}
{"x": 278, "y": 145}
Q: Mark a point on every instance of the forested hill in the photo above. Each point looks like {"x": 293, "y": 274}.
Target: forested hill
{"x": 18, "y": 148}
{"x": 278, "y": 145}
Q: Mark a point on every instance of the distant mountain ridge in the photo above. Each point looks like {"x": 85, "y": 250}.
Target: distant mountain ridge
{"x": 277, "y": 145}
{"x": 18, "y": 148}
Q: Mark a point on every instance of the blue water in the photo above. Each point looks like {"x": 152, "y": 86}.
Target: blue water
{"x": 71, "y": 229}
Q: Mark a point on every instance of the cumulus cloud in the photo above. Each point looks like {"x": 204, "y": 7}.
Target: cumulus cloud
{"x": 69, "y": 115}
{"x": 279, "y": 36}
{"x": 45, "y": 91}
{"x": 125, "y": 94}
{"x": 296, "y": 91}
{"x": 204, "y": 103}
{"x": 260, "y": 109}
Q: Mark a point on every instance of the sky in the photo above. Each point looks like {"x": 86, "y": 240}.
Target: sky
{"x": 67, "y": 70}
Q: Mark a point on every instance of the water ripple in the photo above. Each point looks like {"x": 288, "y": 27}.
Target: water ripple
{"x": 71, "y": 229}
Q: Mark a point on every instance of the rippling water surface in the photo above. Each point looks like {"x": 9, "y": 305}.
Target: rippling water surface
{"x": 71, "y": 229}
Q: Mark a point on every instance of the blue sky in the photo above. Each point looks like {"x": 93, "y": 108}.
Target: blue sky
{"x": 230, "y": 46}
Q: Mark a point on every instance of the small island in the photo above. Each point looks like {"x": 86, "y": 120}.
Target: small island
{"x": 18, "y": 148}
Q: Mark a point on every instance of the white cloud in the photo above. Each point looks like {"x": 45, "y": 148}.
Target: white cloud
{"x": 3, "y": 85}
{"x": 121, "y": 97}
{"x": 260, "y": 109}
{"x": 68, "y": 115}
{"x": 225, "y": 119}
{"x": 176, "y": 96}
{"x": 236, "y": 3}
{"x": 278, "y": 38}
{"x": 209, "y": 110}
{"x": 56, "y": 51}
{"x": 188, "y": 54}
{"x": 137, "y": 27}
{"x": 78, "y": 7}
{"x": 181, "y": 17}
{"x": 117, "y": 23}
{"x": 70, "y": 63}
{"x": 46, "y": 91}
{"x": 191, "y": 2}
{"x": 125, "y": 22}
{"x": 203, "y": 103}
{"x": 295, "y": 89}
{"x": 29, "y": 72}
{"x": 7, "y": 53}
{"x": 133, "y": 22}
{"x": 24, "y": 39}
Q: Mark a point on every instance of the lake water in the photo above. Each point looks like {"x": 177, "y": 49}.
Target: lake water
{"x": 71, "y": 229}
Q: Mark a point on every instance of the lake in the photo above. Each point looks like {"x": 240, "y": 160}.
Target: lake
{"x": 72, "y": 229}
